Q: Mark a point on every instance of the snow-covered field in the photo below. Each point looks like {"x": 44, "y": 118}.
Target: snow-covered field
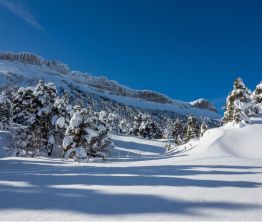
{"x": 218, "y": 178}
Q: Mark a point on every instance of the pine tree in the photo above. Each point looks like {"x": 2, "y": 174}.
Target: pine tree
{"x": 178, "y": 132}
{"x": 239, "y": 104}
{"x": 62, "y": 113}
{"x": 138, "y": 119}
{"x": 24, "y": 106}
{"x": 113, "y": 120}
{"x": 203, "y": 128}
{"x": 27, "y": 141}
{"x": 193, "y": 129}
{"x": 33, "y": 107}
{"x": 45, "y": 95}
{"x": 257, "y": 95}
{"x": 149, "y": 128}
{"x": 123, "y": 126}
{"x": 5, "y": 111}
{"x": 86, "y": 136}
{"x": 145, "y": 126}
{"x": 168, "y": 131}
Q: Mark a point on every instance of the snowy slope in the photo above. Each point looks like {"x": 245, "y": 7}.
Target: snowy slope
{"x": 244, "y": 142}
{"x": 16, "y": 71}
{"x": 219, "y": 179}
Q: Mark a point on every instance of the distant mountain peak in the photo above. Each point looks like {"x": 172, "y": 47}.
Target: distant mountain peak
{"x": 204, "y": 104}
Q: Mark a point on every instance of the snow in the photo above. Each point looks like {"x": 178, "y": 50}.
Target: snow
{"x": 23, "y": 74}
{"x": 230, "y": 140}
{"x": 67, "y": 141}
{"x": 218, "y": 178}
{"x": 90, "y": 134}
{"x": 60, "y": 122}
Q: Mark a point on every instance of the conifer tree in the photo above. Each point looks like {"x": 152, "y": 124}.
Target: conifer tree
{"x": 44, "y": 95}
{"x": 5, "y": 111}
{"x": 27, "y": 141}
{"x": 86, "y": 136}
{"x": 178, "y": 132}
{"x": 62, "y": 113}
{"x": 123, "y": 126}
{"x": 113, "y": 120}
{"x": 239, "y": 104}
{"x": 33, "y": 107}
{"x": 168, "y": 130}
{"x": 203, "y": 128}
{"x": 257, "y": 95}
{"x": 193, "y": 129}
{"x": 24, "y": 106}
{"x": 138, "y": 119}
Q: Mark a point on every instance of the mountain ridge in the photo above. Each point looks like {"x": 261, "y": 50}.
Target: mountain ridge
{"x": 23, "y": 69}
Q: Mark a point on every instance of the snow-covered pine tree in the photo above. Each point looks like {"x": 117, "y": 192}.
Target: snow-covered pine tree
{"x": 113, "y": 120}
{"x": 62, "y": 113}
{"x": 193, "y": 129}
{"x": 45, "y": 95}
{"x": 86, "y": 136}
{"x": 5, "y": 111}
{"x": 149, "y": 129}
{"x": 27, "y": 140}
{"x": 203, "y": 128}
{"x": 138, "y": 119}
{"x": 168, "y": 131}
{"x": 123, "y": 126}
{"x": 257, "y": 95}
{"x": 103, "y": 116}
{"x": 239, "y": 104}
{"x": 32, "y": 107}
{"x": 145, "y": 126}
{"x": 178, "y": 132}
{"x": 24, "y": 106}
{"x": 239, "y": 114}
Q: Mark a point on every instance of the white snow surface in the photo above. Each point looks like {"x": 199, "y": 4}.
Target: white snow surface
{"x": 22, "y": 74}
{"x": 218, "y": 177}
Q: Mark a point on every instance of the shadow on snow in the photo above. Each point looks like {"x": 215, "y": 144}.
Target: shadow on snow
{"x": 43, "y": 191}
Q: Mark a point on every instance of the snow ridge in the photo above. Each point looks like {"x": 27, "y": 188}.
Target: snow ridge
{"x": 23, "y": 69}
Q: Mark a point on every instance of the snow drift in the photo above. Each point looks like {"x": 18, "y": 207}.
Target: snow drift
{"x": 244, "y": 142}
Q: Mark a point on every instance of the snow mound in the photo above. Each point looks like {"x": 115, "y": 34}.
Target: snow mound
{"x": 245, "y": 142}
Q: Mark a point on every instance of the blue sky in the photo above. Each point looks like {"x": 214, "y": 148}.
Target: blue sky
{"x": 186, "y": 49}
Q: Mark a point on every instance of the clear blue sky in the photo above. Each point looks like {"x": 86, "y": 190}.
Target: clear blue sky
{"x": 186, "y": 49}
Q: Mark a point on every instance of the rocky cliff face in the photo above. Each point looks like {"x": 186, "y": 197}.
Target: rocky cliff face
{"x": 204, "y": 104}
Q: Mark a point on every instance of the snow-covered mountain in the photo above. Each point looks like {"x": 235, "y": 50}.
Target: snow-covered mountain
{"x": 23, "y": 69}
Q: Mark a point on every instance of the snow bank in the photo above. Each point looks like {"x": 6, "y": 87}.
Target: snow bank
{"x": 245, "y": 142}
